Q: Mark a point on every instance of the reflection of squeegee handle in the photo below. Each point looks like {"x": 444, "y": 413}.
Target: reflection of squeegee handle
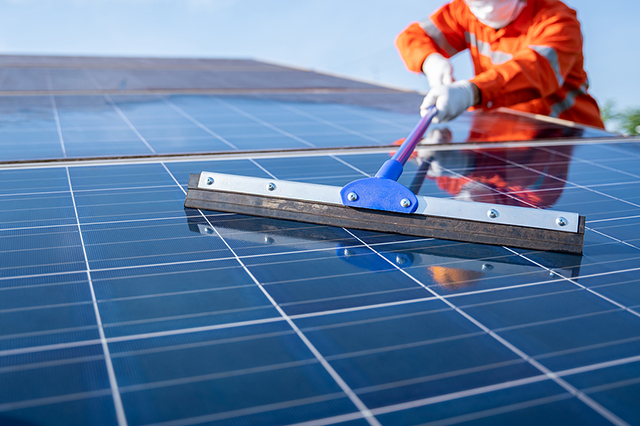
{"x": 421, "y": 174}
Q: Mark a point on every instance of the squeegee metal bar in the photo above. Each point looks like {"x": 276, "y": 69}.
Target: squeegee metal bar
{"x": 305, "y": 207}
{"x": 427, "y": 206}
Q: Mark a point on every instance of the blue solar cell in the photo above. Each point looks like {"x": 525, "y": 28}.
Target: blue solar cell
{"x": 97, "y": 410}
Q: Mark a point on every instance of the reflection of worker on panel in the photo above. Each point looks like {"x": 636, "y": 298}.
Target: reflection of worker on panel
{"x": 489, "y": 175}
{"x": 527, "y": 55}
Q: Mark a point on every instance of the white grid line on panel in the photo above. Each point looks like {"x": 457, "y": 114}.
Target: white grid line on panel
{"x": 264, "y": 123}
{"x": 438, "y": 376}
{"x": 30, "y": 403}
{"x": 271, "y": 175}
{"x": 591, "y": 163}
{"x": 555, "y": 320}
{"x": 620, "y": 151}
{"x": 186, "y": 316}
{"x": 614, "y": 219}
{"x": 208, "y": 418}
{"x": 126, "y": 120}
{"x": 57, "y": 119}
{"x": 122, "y": 420}
{"x": 55, "y": 363}
{"x": 196, "y": 122}
{"x": 40, "y": 307}
{"x": 499, "y": 410}
{"x": 91, "y": 78}
{"x": 215, "y": 376}
{"x": 614, "y": 385}
{"x": 201, "y": 344}
{"x": 374, "y": 118}
{"x": 402, "y": 346}
{"x": 327, "y": 122}
{"x": 173, "y": 293}
{"x": 28, "y": 334}
{"x": 626, "y": 243}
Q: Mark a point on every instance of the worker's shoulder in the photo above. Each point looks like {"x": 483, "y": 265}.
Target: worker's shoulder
{"x": 553, "y": 9}
{"x": 455, "y": 6}
{"x": 458, "y": 10}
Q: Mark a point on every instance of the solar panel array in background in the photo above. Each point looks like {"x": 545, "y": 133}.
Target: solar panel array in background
{"x": 44, "y": 127}
{"x": 83, "y": 75}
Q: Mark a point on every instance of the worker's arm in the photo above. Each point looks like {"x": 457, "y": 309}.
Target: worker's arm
{"x": 540, "y": 68}
{"x": 441, "y": 33}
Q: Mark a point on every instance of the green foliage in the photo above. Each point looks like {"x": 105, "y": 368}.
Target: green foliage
{"x": 630, "y": 121}
{"x": 627, "y": 120}
{"x": 608, "y": 111}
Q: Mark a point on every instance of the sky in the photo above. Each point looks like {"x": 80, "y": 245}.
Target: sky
{"x": 350, "y": 38}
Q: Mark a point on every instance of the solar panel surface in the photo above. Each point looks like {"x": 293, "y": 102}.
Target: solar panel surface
{"x": 46, "y": 127}
{"x": 119, "y": 306}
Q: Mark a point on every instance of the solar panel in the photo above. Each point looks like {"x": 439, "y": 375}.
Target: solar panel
{"x": 71, "y": 126}
{"x": 120, "y": 306}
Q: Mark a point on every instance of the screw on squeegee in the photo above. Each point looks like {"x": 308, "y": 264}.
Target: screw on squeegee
{"x": 405, "y": 203}
{"x": 209, "y": 181}
{"x": 561, "y": 221}
{"x": 352, "y": 196}
{"x": 493, "y": 213}
{"x": 271, "y": 186}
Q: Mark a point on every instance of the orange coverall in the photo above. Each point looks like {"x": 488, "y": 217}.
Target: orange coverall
{"x": 534, "y": 64}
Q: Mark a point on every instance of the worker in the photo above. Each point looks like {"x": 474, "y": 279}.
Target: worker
{"x": 527, "y": 56}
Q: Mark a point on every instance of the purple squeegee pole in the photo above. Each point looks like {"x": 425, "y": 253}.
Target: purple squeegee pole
{"x": 393, "y": 167}
{"x": 409, "y": 144}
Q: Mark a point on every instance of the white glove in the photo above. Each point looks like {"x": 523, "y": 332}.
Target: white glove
{"x": 438, "y": 70}
{"x": 437, "y": 136}
{"x": 450, "y": 100}
{"x": 450, "y": 163}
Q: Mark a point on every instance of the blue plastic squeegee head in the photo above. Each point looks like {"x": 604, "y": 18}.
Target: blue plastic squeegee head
{"x": 382, "y": 192}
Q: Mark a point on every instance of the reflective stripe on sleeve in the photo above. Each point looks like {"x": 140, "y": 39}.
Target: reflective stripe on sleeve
{"x": 484, "y": 49}
{"x": 550, "y": 54}
{"x": 569, "y": 100}
{"x": 438, "y": 37}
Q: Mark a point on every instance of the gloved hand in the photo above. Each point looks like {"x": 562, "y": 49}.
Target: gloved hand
{"x": 450, "y": 100}
{"x": 438, "y": 70}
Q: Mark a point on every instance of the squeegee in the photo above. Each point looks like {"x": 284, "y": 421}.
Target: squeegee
{"x": 382, "y": 204}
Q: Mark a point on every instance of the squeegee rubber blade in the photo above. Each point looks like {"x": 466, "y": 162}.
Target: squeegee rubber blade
{"x": 397, "y": 223}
